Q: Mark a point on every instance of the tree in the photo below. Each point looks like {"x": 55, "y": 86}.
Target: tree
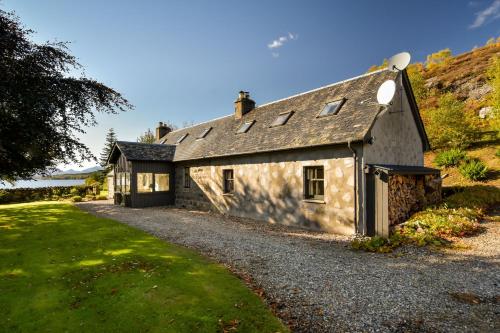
{"x": 147, "y": 137}
{"x": 439, "y": 58}
{"x": 43, "y": 105}
{"x": 374, "y": 68}
{"x": 417, "y": 80}
{"x": 450, "y": 125}
{"x": 108, "y": 145}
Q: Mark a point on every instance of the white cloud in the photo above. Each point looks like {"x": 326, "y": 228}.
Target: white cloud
{"x": 493, "y": 12}
{"x": 282, "y": 40}
{"x": 279, "y": 42}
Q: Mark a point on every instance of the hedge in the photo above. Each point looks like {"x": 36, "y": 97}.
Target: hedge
{"x": 42, "y": 193}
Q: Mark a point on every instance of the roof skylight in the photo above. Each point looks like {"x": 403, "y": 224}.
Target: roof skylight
{"x": 245, "y": 127}
{"x": 282, "y": 119}
{"x": 331, "y": 108}
{"x": 181, "y": 138}
{"x": 204, "y": 133}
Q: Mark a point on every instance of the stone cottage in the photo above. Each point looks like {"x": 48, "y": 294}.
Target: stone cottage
{"x": 329, "y": 159}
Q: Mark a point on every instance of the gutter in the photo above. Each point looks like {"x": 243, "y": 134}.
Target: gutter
{"x": 355, "y": 159}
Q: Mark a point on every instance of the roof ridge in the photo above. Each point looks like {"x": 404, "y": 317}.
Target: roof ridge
{"x": 323, "y": 87}
{"x": 143, "y": 143}
{"x": 284, "y": 99}
{"x": 203, "y": 122}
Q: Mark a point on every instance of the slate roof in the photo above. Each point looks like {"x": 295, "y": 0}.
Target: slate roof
{"x": 303, "y": 129}
{"x": 135, "y": 151}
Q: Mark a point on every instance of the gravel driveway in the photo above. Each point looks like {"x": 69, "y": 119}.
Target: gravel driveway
{"x": 316, "y": 283}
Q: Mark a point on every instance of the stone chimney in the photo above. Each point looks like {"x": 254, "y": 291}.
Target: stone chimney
{"x": 243, "y": 104}
{"x": 162, "y": 130}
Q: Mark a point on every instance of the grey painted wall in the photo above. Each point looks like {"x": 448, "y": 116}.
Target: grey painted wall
{"x": 396, "y": 139}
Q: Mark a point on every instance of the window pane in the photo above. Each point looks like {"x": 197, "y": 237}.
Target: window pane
{"x": 161, "y": 181}
{"x": 117, "y": 182}
{"x": 228, "y": 182}
{"x": 314, "y": 182}
{"x": 126, "y": 184}
{"x": 245, "y": 127}
{"x": 331, "y": 108}
{"x": 144, "y": 182}
{"x": 181, "y": 138}
{"x": 204, "y": 133}
{"x": 282, "y": 119}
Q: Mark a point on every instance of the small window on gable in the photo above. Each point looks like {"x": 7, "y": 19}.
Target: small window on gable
{"x": 181, "y": 138}
{"x": 245, "y": 127}
{"x": 331, "y": 108}
{"x": 282, "y": 119}
{"x": 204, "y": 133}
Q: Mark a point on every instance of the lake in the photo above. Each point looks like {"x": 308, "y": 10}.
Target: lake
{"x": 43, "y": 183}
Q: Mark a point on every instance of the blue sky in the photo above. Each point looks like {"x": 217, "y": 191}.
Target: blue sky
{"x": 185, "y": 61}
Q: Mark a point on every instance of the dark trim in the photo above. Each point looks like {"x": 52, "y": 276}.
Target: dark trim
{"x": 268, "y": 151}
{"x": 402, "y": 169}
{"x": 415, "y": 111}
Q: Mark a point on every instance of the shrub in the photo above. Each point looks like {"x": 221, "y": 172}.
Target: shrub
{"x": 450, "y": 158}
{"x": 497, "y": 153}
{"x": 55, "y": 197}
{"x": 102, "y": 197}
{"x": 474, "y": 170}
{"x": 76, "y": 198}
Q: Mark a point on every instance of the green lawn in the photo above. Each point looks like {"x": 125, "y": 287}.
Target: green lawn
{"x": 63, "y": 270}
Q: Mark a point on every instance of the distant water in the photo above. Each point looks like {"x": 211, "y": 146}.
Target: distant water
{"x": 43, "y": 183}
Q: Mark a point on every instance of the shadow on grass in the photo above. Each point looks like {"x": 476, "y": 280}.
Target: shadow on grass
{"x": 68, "y": 270}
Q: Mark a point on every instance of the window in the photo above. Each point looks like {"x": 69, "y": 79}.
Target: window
{"x": 181, "y": 138}
{"x": 228, "y": 180}
{"x": 204, "y": 133}
{"x": 122, "y": 182}
{"x": 314, "y": 183}
{"x": 144, "y": 182}
{"x": 245, "y": 127}
{"x": 282, "y": 119}
{"x": 118, "y": 187}
{"x": 187, "y": 177}
{"x": 331, "y": 108}
{"x": 126, "y": 186}
{"x": 162, "y": 182}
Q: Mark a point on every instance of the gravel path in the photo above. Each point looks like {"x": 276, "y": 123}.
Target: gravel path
{"x": 316, "y": 283}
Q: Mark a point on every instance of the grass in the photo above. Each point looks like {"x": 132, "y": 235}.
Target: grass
{"x": 487, "y": 154}
{"x": 63, "y": 270}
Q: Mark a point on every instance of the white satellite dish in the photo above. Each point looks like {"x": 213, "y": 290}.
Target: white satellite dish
{"x": 399, "y": 61}
{"x": 386, "y": 92}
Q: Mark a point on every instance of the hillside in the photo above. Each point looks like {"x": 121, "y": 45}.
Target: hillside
{"x": 464, "y": 75}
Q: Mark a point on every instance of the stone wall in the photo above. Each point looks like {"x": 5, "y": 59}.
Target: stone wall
{"x": 411, "y": 193}
{"x": 269, "y": 187}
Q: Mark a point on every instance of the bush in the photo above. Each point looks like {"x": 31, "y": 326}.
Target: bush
{"x": 102, "y": 197}
{"x": 474, "y": 170}
{"x": 76, "y": 198}
{"x": 450, "y": 158}
{"x": 497, "y": 153}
